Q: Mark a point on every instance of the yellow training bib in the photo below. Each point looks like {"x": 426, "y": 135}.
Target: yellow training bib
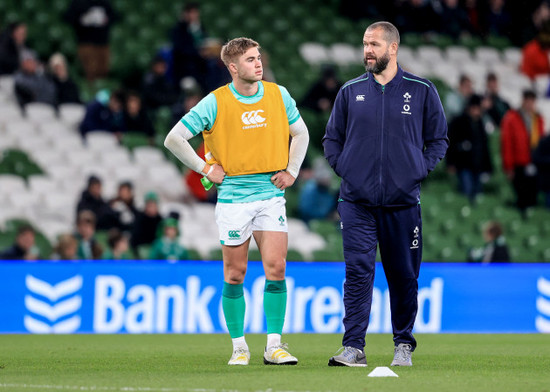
{"x": 249, "y": 138}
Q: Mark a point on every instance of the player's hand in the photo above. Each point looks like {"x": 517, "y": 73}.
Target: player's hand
{"x": 282, "y": 180}
{"x": 217, "y": 175}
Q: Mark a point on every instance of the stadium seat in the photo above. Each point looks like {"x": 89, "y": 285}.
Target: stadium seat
{"x": 127, "y": 173}
{"x": 314, "y": 53}
{"x": 147, "y": 156}
{"x": 327, "y": 255}
{"x": 101, "y": 141}
{"x": 131, "y": 140}
{"x": 10, "y": 183}
{"x": 458, "y": 54}
{"x": 512, "y": 56}
{"x": 487, "y": 55}
{"x": 72, "y": 114}
{"x": 115, "y": 158}
{"x": 41, "y": 184}
{"x": 40, "y": 112}
{"x": 345, "y": 54}
{"x": 294, "y": 255}
{"x": 430, "y": 54}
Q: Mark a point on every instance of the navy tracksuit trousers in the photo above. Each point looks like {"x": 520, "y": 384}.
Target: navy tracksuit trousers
{"x": 398, "y": 231}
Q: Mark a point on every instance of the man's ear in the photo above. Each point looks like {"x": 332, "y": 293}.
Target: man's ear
{"x": 232, "y": 68}
{"x": 394, "y": 46}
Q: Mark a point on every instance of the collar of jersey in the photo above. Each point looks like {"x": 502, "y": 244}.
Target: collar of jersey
{"x": 240, "y": 97}
{"x": 396, "y": 79}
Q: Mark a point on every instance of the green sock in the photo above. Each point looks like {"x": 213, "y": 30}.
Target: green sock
{"x": 275, "y": 305}
{"x": 233, "y": 308}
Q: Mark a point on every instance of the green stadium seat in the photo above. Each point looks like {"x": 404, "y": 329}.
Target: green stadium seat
{"x": 194, "y": 254}
{"x": 134, "y": 139}
{"x": 215, "y": 254}
{"x": 294, "y": 255}
{"x": 254, "y": 255}
{"x": 328, "y": 255}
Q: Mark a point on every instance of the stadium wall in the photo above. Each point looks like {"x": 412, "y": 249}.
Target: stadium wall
{"x": 185, "y": 297}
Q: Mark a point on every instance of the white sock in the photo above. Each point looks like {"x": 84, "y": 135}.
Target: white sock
{"x": 239, "y": 343}
{"x": 273, "y": 339}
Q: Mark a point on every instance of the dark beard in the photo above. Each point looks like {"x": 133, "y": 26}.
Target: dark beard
{"x": 380, "y": 64}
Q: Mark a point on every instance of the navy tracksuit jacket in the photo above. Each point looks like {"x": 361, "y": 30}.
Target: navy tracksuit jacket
{"x": 383, "y": 141}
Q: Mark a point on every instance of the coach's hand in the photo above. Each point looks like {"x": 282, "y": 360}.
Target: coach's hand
{"x": 282, "y": 180}
{"x": 216, "y": 174}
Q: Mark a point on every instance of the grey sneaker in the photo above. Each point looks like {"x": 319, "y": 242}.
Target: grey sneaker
{"x": 348, "y": 356}
{"x": 402, "y": 355}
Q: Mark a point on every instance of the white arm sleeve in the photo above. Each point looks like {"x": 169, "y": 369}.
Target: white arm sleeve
{"x": 177, "y": 142}
{"x": 298, "y": 147}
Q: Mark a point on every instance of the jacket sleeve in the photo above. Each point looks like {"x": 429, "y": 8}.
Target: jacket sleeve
{"x": 435, "y": 130}
{"x": 333, "y": 141}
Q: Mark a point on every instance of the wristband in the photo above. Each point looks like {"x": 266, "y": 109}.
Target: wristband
{"x": 209, "y": 171}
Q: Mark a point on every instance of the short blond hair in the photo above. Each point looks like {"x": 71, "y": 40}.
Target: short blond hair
{"x": 235, "y": 48}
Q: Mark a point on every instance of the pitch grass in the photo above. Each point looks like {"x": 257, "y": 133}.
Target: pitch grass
{"x": 197, "y": 363}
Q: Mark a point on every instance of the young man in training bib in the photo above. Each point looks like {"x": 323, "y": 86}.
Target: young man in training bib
{"x": 246, "y": 126}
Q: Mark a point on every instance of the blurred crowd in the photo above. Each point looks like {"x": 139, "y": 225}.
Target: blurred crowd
{"x": 179, "y": 75}
{"x": 518, "y": 21}
{"x": 131, "y": 233}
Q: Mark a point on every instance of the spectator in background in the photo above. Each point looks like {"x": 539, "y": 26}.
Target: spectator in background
{"x": 88, "y": 247}
{"x": 167, "y": 247}
{"x": 456, "y": 100}
{"x": 214, "y": 73}
{"x": 268, "y": 75}
{"x": 468, "y": 154}
{"x": 66, "y": 248}
{"x": 521, "y": 131}
{"x": 66, "y": 88}
{"x": 158, "y": 91}
{"x": 453, "y": 19}
{"x": 104, "y": 113}
{"x": 136, "y": 118}
{"x": 535, "y": 59}
{"x": 495, "y": 249}
{"x": 12, "y": 45}
{"x": 123, "y": 206}
{"x": 92, "y": 21}
{"x": 91, "y": 200}
{"x": 474, "y": 19}
{"x": 147, "y": 223}
{"x": 24, "y": 247}
{"x": 191, "y": 98}
{"x": 316, "y": 199}
{"x": 187, "y": 37}
{"x": 32, "y": 84}
{"x": 496, "y": 19}
{"x": 322, "y": 93}
{"x": 416, "y": 16}
{"x": 118, "y": 246}
{"x": 539, "y": 16}
{"x": 494, "y": 105}
{"x": 541, "y": 158}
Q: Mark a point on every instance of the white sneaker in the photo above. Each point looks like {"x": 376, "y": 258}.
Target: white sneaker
{"x": 278, "y": 355}
{"x": 241, "y": 356}
{"x": 402, "y": 355}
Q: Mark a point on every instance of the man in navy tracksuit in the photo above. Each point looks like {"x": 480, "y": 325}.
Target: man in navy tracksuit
{"x": 387, "y": 131}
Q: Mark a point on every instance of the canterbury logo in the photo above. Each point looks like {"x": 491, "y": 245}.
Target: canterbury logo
{"x": 234, "y": 234}
{"x": 43, "y": 301}
{"x": 253, "y": 117}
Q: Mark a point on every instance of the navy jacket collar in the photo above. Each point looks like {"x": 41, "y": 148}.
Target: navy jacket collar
{"x": 396, "y": 79}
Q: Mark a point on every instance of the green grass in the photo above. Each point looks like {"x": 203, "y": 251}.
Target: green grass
{"x": 171, "y": 363}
